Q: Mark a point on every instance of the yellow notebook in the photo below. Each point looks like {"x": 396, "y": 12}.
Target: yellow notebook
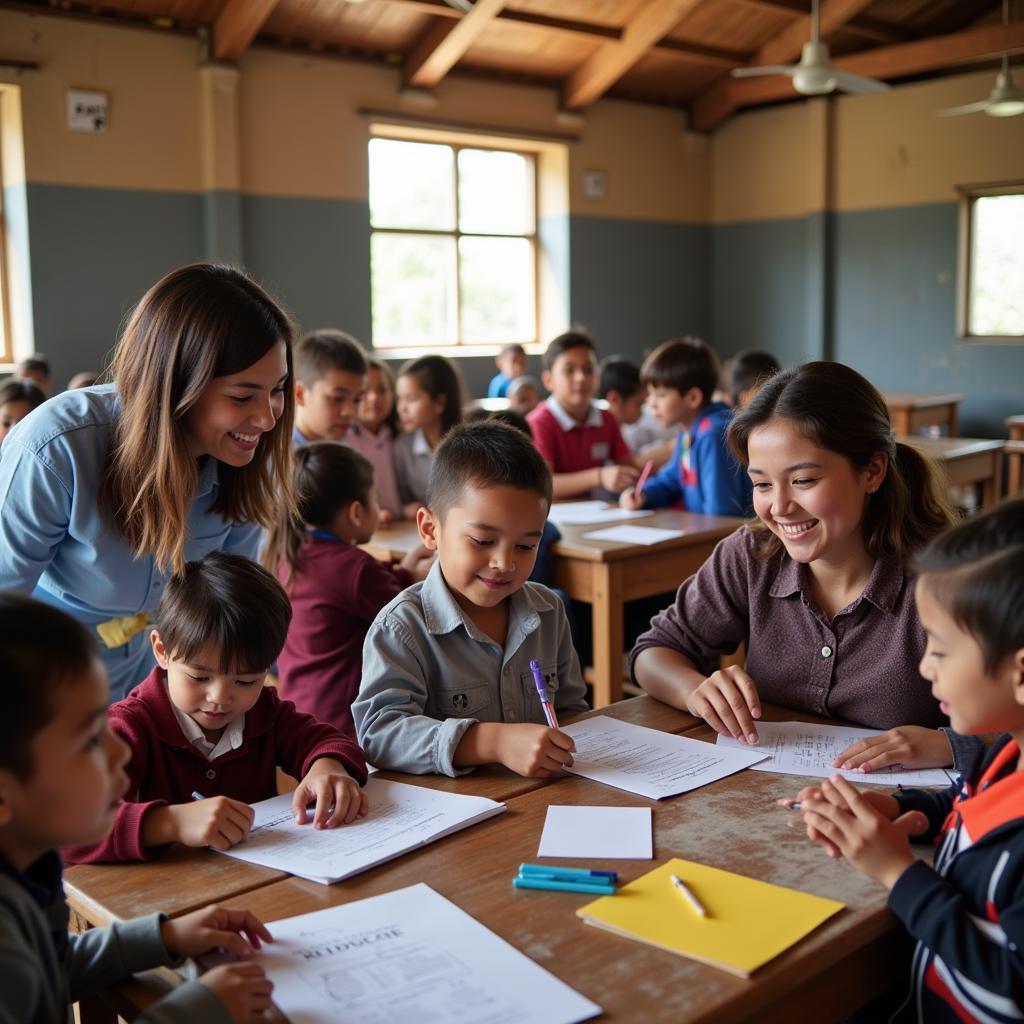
{"x": 748, "y": 922}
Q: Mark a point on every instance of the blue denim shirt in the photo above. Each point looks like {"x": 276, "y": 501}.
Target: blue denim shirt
{"x": 54, "y": 542}
{"x": 429, "y": 674}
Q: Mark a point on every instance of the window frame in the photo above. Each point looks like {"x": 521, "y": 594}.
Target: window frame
{"x": 6, "y": 338}
{"x": 459, "y": 346}
{"x": 968, "y": 195}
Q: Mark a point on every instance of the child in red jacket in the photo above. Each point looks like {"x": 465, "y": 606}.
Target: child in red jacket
{"x": 206, "y": 737}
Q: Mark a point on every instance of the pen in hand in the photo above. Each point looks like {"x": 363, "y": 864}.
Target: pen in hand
{"x": 542, "y": 693}
{"x": 645, "y": 473}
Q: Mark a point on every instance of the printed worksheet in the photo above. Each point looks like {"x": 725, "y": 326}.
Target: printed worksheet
{"x": 805, "y": 748}
{"x": 401, "y": 818}
{"x": 645, "y": 761}
{"x": 409, "y": 955}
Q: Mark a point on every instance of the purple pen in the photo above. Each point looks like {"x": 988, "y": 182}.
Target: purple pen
{"x": 542, "y": 692}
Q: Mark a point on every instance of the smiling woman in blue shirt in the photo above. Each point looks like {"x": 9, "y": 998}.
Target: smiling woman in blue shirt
{"x": 108, "y": 490}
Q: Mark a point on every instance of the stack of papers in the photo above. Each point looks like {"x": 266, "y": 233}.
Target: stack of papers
{"x": 634, "y": 534}
{"x": 583, "y": 513}
{"x": 401, "y": 818}
{"x": 748, "y": 922}
{"x": 611, "y": 833}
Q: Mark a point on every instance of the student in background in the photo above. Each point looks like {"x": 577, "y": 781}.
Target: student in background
{"x": 330, "y": 376}
{"x": 83, "y": 379}
{"x": 967, "y": 912}
{"x": 626, "y": 394}
{"x": 511, "y": 363}
{"x": 17, "y": 399}
{"x": 61, "y": 776}
{"x": 523, "y": 395}
{"x": 35, "y": 368}
{"x": 109, "y": 490}
{"x": 446, "y": 666}
{"x": 703, "y": 473}
{"x": 818, "y": 586}
{"x": 203, "y": 722}
{"x": 580, "y": 442}
{"x": 374, "y": 432}
{"x": 748, "y": 370}
{"x": 430, "y": 399}
{"x": 336, "y": 590}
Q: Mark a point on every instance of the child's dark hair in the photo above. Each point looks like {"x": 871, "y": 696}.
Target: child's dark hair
{"x": 512, "y": 418}
{"x": 391, "y": 420}
{"x": 18, "y": 389}
{"x": 324, "y": 350}
{"x": 229, "y": 603}
{"x": 36, "y": 363}
{"x": 618, "y": 375}
{"x": 749, "y": 368}
{"x": 485, "y": 454}
{"x": 327, "y": 477}
{"x": 682, "y": 363}
{"x": 514, "y": 349}
{"x": 563, "y": 343}
{"x": 837, "y": 409}
{"x": 976, "y": 571}
{"x": 439, "y": 377}
{"x": 43, "y": 650}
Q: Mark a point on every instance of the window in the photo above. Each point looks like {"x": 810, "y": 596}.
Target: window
{"x": 992, "y": 263}
{"x": 453, "y": 245}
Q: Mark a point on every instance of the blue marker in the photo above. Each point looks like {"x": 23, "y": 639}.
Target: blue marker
{"x": 566, "y": 885}
{"x": 542, "y": 692}
{"x": 546, "y": 870}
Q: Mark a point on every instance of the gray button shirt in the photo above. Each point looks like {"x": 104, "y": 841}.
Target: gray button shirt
{"x": 429, "y": 674}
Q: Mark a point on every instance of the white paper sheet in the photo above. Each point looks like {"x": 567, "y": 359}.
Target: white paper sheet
{"x": 571, "y": 514}
{"x": 804, "y": 748}
{"x": 409, "y": 955}
{"x": 611, "y": 833}
{"x": 635, "y": 534}
{"x": 645, "y": 761}
{"x": 401, "y": 818}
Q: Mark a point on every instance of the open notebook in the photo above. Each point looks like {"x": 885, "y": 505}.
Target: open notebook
{"x": 401, "y": 818}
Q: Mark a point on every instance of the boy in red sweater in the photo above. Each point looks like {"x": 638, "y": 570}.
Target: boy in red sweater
{"x": 206, "y": 737}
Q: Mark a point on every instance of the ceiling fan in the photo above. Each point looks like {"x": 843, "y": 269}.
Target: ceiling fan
{"x": 815, "y": 74}
{"x": 1005, "y": 100}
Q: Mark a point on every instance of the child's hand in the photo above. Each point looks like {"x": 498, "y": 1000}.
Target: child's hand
{"x": 328, "y": 784}
{"x": 536, "y": 751}
{"x": 212, "y": 928}
{"x": 615, "y": 478}
{"x": 727, "y": 700}
{"x": 907, "y": 746}
{"x": 629, "y": 499}
{"x": 852, "y": 822}
{"x": 386, "y": 517}
{"x": 244, "y": 989}
{"x": 219, "y": 822}
{"x": 418, "y": 562}
{"x": 884, "y": 803}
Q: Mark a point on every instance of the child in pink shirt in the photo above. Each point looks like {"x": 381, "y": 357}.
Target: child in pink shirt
{"x": 373, "y": 433}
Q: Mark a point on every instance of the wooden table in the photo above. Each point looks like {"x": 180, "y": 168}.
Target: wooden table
{"x": 911, "y": 412}
{"x": 967, "y": 462}
{"x": 1014, "y": 454}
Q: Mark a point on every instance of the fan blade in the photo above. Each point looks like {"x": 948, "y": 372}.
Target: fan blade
{"x": 765, "y": 69}
{"x": 967, "y": 108}
{"x": 849, "y": 82}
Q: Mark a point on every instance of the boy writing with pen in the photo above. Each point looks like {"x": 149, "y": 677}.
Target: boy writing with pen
{"x": 447, "y": 682}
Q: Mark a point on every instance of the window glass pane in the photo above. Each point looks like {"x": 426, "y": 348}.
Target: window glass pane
{"x": 495, "y": 192}
{"x": 412, "y": 185}
{"x": 496, "y": 278}
{"x": 412, "y": 280}
{"x": 997, "y": 266}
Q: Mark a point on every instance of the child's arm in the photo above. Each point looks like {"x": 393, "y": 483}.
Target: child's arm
{"x": 536, "y": 751}
{"x": 300, "y": 740}
{"x": 611, "y": 478}
{"x": 662, "y": 489}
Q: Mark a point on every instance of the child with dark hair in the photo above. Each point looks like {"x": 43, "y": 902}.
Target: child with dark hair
{"x": 330, "y": 375}
{"x": 966, "y": 912}
{"x": 446, "y": 665}
{"x": 203, "y": 722}
{"x": 61, "y": 777}
{"x": 374, "y": 432}
{"x": 335, "y": 588}
{"x": 17, "y": 399}
{"x": 430, "y": 400}
{"x": 703, "y": 474}
{"x": 36, "y": 368}
{"x": 747, "y": 371}
{"x": 511, "y": 363}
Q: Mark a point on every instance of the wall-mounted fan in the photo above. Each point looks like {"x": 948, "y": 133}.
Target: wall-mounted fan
{"x": 815, "y": 74}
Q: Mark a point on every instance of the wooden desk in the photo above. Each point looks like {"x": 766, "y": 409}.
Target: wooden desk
{"x": 607, "y": 574}
{"x": 1015, "y": 454}
{"x": 911, "y": 412}
{"x": 967, "y": 462}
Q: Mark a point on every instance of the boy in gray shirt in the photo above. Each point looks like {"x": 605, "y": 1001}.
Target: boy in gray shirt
{"x": 446, "y": 679}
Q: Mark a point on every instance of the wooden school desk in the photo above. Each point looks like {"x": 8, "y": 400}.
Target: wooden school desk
{"x": 1014, "y": 454}
{"x": 967, "y": 462}
{"x": 911, "y": 412}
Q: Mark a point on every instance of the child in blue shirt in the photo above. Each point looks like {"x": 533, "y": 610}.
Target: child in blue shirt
{"x": 511, "y": 363}
{"x": 702, "y": 475}
{"x": 966, "y": 912}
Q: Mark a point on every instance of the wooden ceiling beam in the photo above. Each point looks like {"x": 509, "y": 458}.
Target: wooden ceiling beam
{"x": 237, "y": 26}
{"x": 445, "y": 43}
{"x": 888, "y": 62}
{"x": 611, "y": 60}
